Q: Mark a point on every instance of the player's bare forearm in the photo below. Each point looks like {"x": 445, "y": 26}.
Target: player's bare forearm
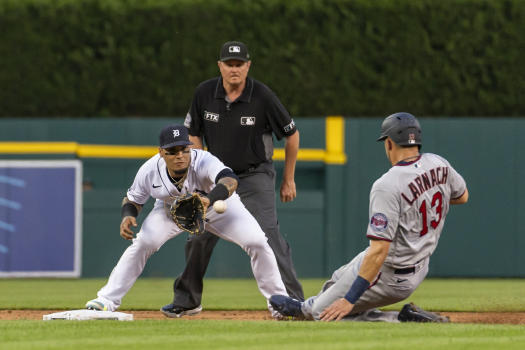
{"x": 374, "y": 259}
{"x": 138, "y": 206}
{"x": 230, "y": 183}
{"x": 288, "y": 190}
{"x": 461, "y": 200}
{"x": 197, "y": 142}
{"x": 291, "y": 148}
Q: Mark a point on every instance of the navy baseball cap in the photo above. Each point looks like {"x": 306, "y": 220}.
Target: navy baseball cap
{"x": 174, "y": 135}
{"x": 234, "y": 50}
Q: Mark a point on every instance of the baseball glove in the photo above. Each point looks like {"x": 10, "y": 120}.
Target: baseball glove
{"x": 188, "y": 213}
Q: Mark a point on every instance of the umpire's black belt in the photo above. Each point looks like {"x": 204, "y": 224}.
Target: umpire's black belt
{"x": 248, "y": 170}
{"x": 405, "y": 271}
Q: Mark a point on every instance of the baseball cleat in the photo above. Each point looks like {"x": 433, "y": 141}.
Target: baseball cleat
{"x": 173, "y": 311}
{"x": 96, "y": 305}
{"x": 286, "y": 306}
{"x": 412, "y": 313}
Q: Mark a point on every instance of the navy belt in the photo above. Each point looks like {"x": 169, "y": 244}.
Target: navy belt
{"x": 405, "y": 271}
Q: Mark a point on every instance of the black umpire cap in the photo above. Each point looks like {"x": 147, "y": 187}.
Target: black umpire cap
{"x": 234, "y": 50}
{"x": 174, "y": 135}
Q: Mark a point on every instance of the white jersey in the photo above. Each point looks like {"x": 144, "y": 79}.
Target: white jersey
{"x": 236, "y": 225}
{"x": 152, "y": 178}
{"x": 408, "y": 207}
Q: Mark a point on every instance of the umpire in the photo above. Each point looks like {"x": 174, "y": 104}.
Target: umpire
{"x": 235, "y": 116}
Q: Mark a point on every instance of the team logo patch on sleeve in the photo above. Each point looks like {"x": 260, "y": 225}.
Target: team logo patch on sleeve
{"x": 378, "y": 222}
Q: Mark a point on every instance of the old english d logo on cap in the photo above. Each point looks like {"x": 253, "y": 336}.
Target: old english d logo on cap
{"x": 174, "y": 135}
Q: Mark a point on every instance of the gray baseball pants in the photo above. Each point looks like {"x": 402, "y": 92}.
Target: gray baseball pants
{"x": 389, "y": 288}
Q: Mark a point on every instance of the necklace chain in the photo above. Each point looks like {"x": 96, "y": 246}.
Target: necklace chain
{"x": 179, "y": 181}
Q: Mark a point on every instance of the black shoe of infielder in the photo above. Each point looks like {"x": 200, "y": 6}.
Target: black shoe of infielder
{"x": 412, "y": 313}
{"x": 175, "y": 312}
{"x": 286, "y": 306}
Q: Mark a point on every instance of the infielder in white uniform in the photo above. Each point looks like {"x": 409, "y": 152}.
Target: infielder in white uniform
{"x": 176, "y": 170}
{"x": 408, "y": 207}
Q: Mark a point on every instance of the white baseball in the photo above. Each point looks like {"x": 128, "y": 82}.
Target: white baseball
{"x": 219, "y": 206}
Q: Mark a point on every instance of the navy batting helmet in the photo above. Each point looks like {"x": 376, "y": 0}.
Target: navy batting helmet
{"x": 403, "y": 128}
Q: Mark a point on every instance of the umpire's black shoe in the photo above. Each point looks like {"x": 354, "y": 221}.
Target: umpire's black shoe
{"x": 173, "y": 311}
{"x": 412, "y": 313}
{"x": 286, "y": 306}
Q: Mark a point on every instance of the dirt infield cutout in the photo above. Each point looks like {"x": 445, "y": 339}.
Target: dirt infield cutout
{"x": 455, "y": 317}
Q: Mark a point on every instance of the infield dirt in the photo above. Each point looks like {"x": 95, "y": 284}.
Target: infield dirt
{"x": 243, "y": 315}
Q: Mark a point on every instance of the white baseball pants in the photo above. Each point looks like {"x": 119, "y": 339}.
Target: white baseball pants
{"x": 236, "y": 225}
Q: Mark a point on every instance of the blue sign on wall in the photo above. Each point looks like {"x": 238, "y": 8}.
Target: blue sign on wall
{"x": 40, "y": 218}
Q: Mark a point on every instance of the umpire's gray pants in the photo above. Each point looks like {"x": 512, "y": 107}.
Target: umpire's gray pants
{"x": 257, "y": 191}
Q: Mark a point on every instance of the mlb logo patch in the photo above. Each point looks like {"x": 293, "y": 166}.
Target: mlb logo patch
{"x": 250, "y": 121}
{"x": 411, "y": 138}
{"x": 212, "y": 117}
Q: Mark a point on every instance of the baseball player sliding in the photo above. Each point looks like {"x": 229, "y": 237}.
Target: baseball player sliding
{"x": 408, "y": 207}
{"x": 177, "y": 170}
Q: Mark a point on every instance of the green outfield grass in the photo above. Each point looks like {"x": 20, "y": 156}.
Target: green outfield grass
{"x": 202, "y": 334}
{"x": 219, "y": 294}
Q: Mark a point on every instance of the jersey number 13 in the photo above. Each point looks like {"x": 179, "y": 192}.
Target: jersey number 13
{"x": 437, "y": 206}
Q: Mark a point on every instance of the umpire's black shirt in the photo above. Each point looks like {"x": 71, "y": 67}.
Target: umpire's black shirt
{"x": 239, "y": 133}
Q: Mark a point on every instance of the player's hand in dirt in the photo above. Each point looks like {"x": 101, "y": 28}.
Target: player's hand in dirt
{"x": 339, "y": 309}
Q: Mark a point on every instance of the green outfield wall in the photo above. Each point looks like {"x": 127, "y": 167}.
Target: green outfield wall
{"x": 326, "y": 224}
